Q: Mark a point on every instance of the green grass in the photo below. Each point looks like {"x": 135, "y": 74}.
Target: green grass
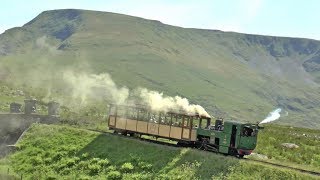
{"x": 307, "y": 155}
{"x": 51, "y": 151}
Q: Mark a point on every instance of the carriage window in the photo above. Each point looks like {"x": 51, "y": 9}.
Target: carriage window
{"x": 165, "y": 118}
{"x": 112, "y": 110}
{"x": 132, "y": 113}
{"x": 121, "y": 111}
{"x": 195, "y": 122}
{"x": 179, "y": 121}
{"x": 143, "y": 115}
{"x": 168, "y": 119}
{"x": 186, "y": 122}
{"x": 174, "y": 120}
{"x": 154, "y": 117}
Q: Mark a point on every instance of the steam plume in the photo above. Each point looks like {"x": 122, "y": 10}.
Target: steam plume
{"x": 91, "y": 86}
{"x": 102, "y": 87}
{"x": 157, "y": 102}
{"x": 274, "y": 115}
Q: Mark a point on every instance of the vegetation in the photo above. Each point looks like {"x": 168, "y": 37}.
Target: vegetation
{"x": 307, "y": 154}
{"x": 55, "y": 152}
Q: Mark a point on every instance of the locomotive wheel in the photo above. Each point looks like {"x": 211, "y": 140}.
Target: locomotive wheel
{"x": 233, "y": 152}
{"x": 204, "y": 144}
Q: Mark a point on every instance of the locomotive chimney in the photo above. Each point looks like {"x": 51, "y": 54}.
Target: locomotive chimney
{"x": 30, "y": 106}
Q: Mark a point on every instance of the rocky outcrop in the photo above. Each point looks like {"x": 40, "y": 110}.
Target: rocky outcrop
{"x": 289, "y": 145}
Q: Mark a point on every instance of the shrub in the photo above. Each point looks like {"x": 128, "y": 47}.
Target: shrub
{"x": 127, "y": 167}
{"x": 94, "y": 169}
{"x": 47, "y": 161}
{"x": 110, "y": 168}
{"x": 145, "y": 166}
{"x": 103, "y": 162}
{"x": 83, "y": 165}
{"x": 85, "y": 155}
{"x": 114, "y": 175}
{"x": 36, "y": 160}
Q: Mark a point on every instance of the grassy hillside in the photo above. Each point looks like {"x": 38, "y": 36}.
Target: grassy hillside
{"x": 55, "y": 152}
{"x": 233, "y": 75}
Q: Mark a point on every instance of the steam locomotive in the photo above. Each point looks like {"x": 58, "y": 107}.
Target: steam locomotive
{"x": 229, "y": 137}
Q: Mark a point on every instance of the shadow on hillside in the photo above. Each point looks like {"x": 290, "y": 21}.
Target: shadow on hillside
{"x": 164, "y": 159}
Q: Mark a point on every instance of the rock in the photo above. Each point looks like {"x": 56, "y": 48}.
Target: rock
{"x": 289, "y": 145}
{"x": 258, "y": 156}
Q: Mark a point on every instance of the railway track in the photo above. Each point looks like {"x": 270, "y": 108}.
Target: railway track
{"x": 283, "y": 166}
{"x": 242, "y": 159}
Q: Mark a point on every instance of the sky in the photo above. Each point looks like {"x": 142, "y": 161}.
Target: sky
{"x": 290, "y": 18}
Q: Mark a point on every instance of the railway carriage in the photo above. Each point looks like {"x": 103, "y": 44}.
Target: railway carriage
{"x": 229, "y": 137}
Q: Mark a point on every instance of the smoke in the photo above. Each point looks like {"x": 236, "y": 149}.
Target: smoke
{"x": 274, "y": 115}
{"x": 84, "y": 87}
{"x": 97, "y": 87}
{"x": 158, "y": 102}
{"x": 43, "y": 43}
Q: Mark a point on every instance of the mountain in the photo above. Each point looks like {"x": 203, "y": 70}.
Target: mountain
{"x": 234, "y": 75}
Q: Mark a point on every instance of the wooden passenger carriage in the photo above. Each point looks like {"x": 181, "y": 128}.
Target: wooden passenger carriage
{"x": 140, "y": 120}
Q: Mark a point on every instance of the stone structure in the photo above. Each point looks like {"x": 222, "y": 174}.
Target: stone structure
{"x": 15, "y": 107}
{"x": 53, "y": 108}
{"x": 30, "y": 106}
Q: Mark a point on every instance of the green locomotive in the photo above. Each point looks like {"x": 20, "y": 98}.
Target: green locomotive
{"x": 229, "y": 137}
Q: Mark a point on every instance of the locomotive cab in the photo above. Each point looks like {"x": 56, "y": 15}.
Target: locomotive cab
{"x": 247, "y": 139}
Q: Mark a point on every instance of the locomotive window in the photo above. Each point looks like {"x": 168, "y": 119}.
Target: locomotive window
{"x": 247, "y": 131}
{"x": 205, "y": 123}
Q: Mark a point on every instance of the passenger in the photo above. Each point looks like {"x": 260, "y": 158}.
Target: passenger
{"x": 246, "y": 132}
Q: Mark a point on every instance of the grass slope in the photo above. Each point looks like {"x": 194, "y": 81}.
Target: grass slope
{"x": 234, "y": 75}
{"x": 56, "y": 152}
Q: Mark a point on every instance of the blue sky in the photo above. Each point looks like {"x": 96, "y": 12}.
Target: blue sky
{"x": 293, "y": 18}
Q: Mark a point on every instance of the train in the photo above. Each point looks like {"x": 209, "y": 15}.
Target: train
{"x": 191, "y": 130}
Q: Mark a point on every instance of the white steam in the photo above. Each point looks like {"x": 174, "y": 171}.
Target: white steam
{"x": 274, "y": 115}
{"x": 85, "y": 86}
{"x": 96, "y": 87}
{"x": 157, "y": 102}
